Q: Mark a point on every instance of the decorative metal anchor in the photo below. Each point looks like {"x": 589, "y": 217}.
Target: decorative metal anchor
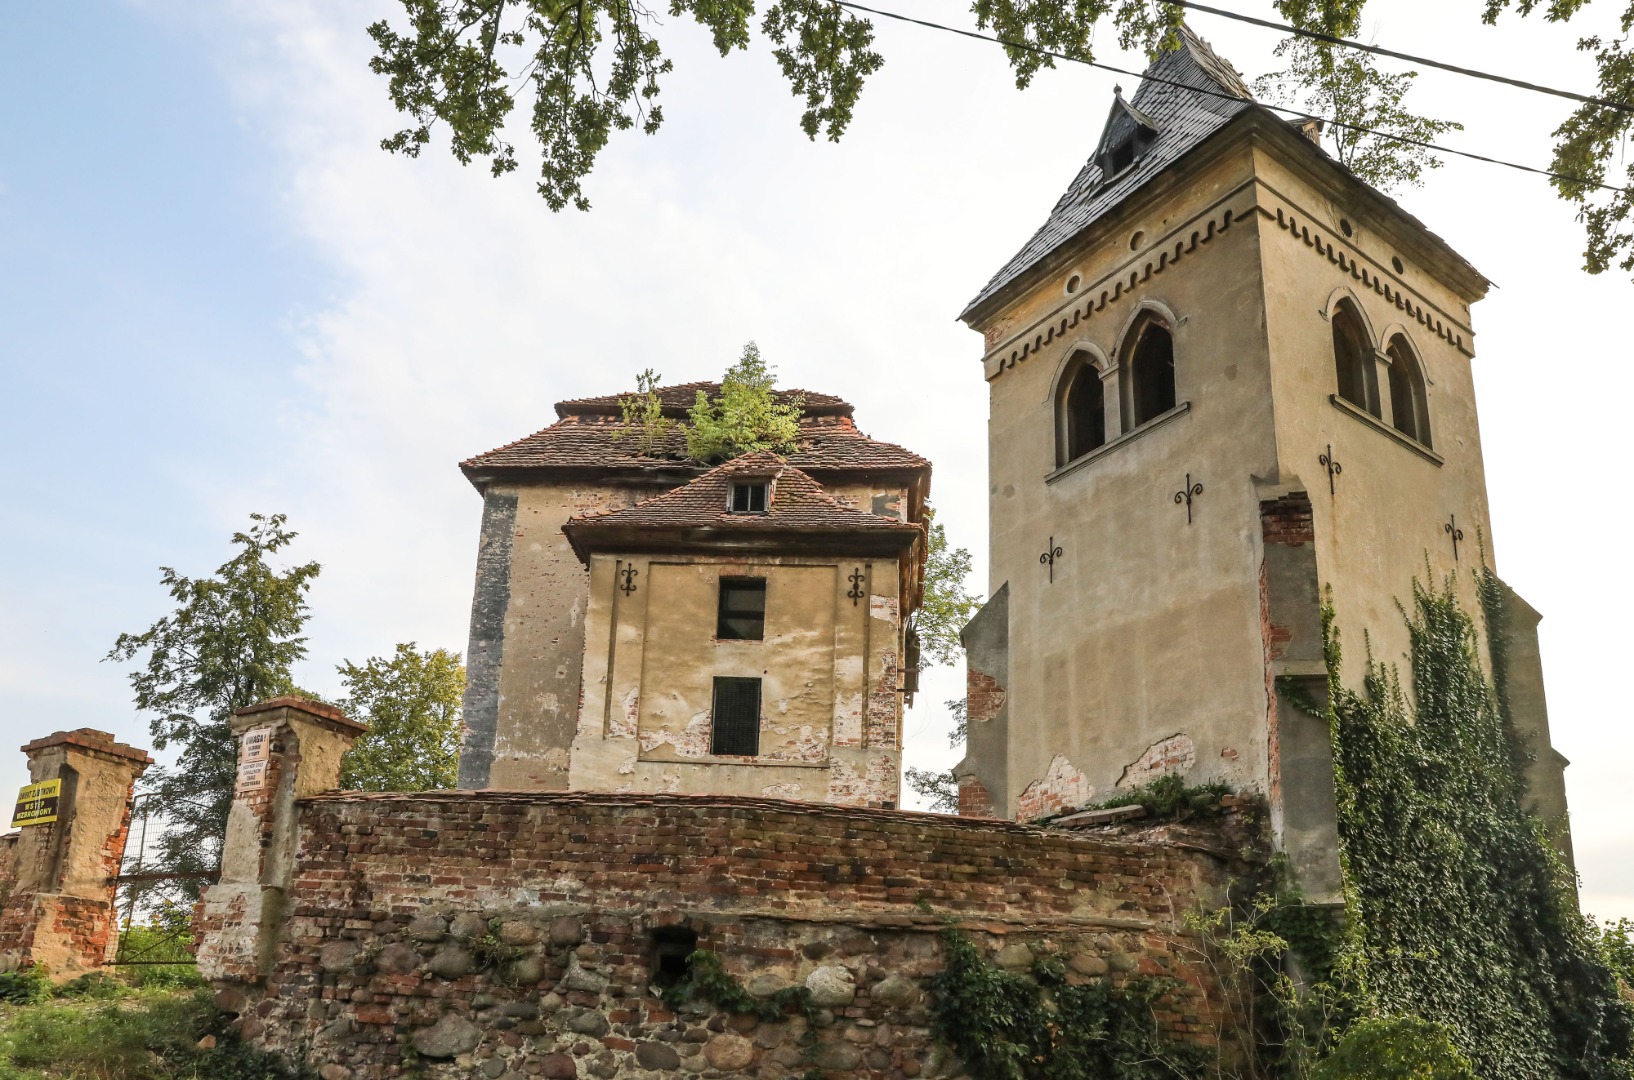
{"x": 1451, "y": 529}
{"x": 1184, "y": 495}
{"x": 627, "y": 586}
{"x": 1330, "y": 464}
{"x": 1051, "y": 554}
{"x": 856, "y": 580}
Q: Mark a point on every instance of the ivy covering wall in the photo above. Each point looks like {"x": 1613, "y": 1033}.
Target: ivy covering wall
{"x": 1459, "y": 910}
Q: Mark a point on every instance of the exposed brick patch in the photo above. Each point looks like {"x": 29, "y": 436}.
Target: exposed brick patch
{"x": 1062, "y": 787}
{"x": 1287, "y": 520}
{"x": 1172, "y": 756}
{"x": 984, "y": 697}
{"x": 974, "y": 799}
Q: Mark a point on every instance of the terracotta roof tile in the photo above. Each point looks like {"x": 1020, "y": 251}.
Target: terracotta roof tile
{"x": 679, "y": 398}
{"x": 798, "y": 503}
{"x": 594, "y": 442}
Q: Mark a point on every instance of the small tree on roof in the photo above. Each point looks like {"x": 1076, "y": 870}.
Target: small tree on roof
{"x": 745, "y": 418}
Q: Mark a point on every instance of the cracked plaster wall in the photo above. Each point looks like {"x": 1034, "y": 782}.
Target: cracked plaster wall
{"x": 830, "y": 710}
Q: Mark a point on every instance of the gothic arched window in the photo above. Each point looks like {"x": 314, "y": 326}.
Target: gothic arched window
{"x": 1081, "y": 418}
{"x": 1408, "y": 402}
{"x": 1150, "y": 364}
{"x": 1353, "y": 359}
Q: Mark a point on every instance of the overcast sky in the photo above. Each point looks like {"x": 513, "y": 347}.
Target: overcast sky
{"x": 218, "y": 296}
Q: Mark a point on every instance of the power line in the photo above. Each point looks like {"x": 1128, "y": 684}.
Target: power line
{"x": 1147, "y": 76}
{"x": 1426, "y": 61}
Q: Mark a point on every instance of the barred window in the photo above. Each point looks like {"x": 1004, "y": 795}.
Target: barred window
{"x": 736, "y": 717}
{"x": 742, "y": 612}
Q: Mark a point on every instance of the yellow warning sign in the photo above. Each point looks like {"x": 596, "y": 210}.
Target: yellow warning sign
{"x": 37, "y": 804}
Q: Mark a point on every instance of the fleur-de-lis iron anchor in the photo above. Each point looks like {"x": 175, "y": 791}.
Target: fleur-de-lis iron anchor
{"x": 1051, "y": 554}
{"x": 1184, "y": 495}
{"x": 855, "y": 579}
{"x": 627, "y": 586}
{"x": 1451, "y": 529}
{"x": 1332, "y": 465}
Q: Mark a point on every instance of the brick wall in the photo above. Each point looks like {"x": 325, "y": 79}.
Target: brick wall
{"x": 510, "y": 935}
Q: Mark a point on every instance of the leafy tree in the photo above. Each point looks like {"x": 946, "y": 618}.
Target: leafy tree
{"x": 947, "y": 606}
{"x": 1344, "y": 85}
{"x": 1395, "y": 1048}
{"x": 595, "y": 67}
{"x": 941, "y": 788}
{"x": 643, "y": 416}
{"x": 411, "y": 703}
{"x": 1617, "y": 945}
{"x": 745, "y": 418}
{"x": 229, "y": 643}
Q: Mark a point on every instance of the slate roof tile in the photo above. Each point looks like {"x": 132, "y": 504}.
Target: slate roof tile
{"x": 1183, "y": 120}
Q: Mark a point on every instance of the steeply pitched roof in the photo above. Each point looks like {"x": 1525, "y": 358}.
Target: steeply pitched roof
{"x": 798, "y": 504}
{"x": 590, "y": 441}
{"x": 1183, "y": 119}
{"x": 678, "y": 399}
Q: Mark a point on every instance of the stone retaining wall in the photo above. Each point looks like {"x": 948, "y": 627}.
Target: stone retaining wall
{"x": 512, "y": 935}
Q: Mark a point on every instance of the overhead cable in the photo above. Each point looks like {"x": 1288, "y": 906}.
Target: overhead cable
{"x": 1315, "y": 35}
{"x": 1296, "y": 113}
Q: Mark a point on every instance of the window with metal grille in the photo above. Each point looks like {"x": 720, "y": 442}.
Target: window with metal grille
{"x": 749, "y": 498}
{"x": 736, "y": 717}
{"x": 742, "y": 613}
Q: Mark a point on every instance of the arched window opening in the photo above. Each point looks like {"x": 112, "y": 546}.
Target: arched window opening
{"x": 1408, "y": 403}
{"x": 1353, "y": 359}
{"x": 1151, "y": 373}
{"x": 1083, "y": 411}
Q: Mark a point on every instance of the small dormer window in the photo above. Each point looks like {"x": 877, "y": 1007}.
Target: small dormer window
{"x": 749, "y": 497}
{"x": 1121, "y": 157}
{"x": 1129, "y": 133}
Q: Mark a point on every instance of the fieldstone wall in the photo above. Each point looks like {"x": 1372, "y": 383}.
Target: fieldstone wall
{"x": 511, "y": 935}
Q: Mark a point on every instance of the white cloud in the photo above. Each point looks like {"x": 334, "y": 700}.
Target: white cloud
{"x": 466, "y": 309}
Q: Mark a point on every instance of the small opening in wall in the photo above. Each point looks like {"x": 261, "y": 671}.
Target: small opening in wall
{"x": 1072, "y": 284}
{"x": 1395, "y": 261}
{"x": 672, "y": 947}
{"x": 1344, "y": 227}
{"x": 1134, "y": 241}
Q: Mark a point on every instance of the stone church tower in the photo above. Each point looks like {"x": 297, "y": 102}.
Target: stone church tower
{"x": 1225, "y": 375}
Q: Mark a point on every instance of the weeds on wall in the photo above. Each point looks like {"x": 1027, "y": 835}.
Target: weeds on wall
{"x": 1459, "y": 911}
{"x": 708, "y": 980}
{"x": 1008, "y": 1026}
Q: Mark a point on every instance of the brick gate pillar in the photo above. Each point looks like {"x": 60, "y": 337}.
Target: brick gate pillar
{"x": 59, "y": 913}
{"x": 288, "y": 748}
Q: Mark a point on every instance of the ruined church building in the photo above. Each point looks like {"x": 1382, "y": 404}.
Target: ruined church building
{"x": 1224, "y": 376}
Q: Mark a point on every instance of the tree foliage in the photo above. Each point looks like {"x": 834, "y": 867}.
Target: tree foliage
{"x": 1395, "y": 1048}
{"x": 642, "y": 416}
{"x": 947, "y": 605}
{"x": 745, "y": 418}
{"x": 1346, "y": 86}
{"x": 595, "y": 67}
{"x": 411, "y": 702}
{"x": 230, "y": 642}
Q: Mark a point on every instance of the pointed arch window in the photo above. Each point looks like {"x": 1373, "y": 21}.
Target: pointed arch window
{"x": 1409, "y": 410}
{"x": 1081, "y": 411}
{"x": 1353, "y": 359}
{"x": 1150, "y": 364}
